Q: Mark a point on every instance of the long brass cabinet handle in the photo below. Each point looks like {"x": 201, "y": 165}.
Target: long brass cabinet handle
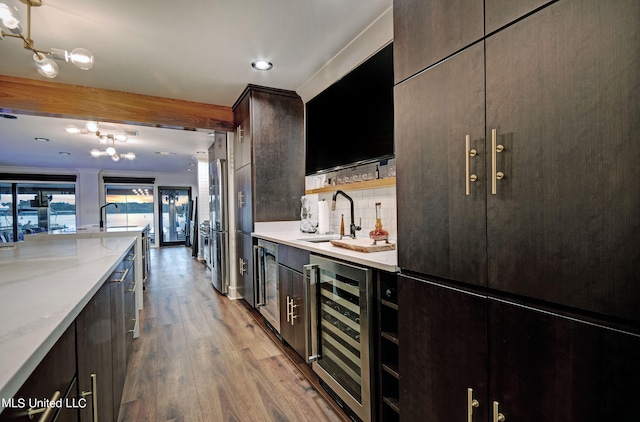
{"x": 288, "y": 309}
{"x": 47, "y": 412}
{"x": 293, "y": 307}
{"x": 124, "y": 276}
{"x": 471, "y": 403}
{"x": 497, "y": 416}
{"x": 240, "y": 199}
{"x": 94, "y": 396}
{"x": 239, "y": 133}
{"x": 468, "y": 154}
{"x": 495, "y": 149}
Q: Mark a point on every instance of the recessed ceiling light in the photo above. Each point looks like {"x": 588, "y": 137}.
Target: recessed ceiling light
{"x": 211, "y": 134}
{"x": 188, "y": 170}
{"x": 42, "y": 139}
{"x": 262, "y": 65}
{"x": 192, "y": 164}
{"x": 64, "y": 153}
{"x": 201, "y": 152}
{"x": 165, "y": 153}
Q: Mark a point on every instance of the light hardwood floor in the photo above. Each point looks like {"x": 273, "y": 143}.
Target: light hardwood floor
{"x": 203, "y": 357}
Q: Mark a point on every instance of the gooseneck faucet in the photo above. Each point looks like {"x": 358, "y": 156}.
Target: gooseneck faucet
{"x": 102, "y": 208}
{"x": 352, "y": 227}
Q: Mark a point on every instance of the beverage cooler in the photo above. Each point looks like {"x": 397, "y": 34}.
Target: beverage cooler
{"x": 339, "y": 342}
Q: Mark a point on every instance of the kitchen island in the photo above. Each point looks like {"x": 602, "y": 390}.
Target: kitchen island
{"x": 44, "y": 286}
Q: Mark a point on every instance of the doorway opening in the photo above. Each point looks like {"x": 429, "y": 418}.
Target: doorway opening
{"x": 175, "y": 211}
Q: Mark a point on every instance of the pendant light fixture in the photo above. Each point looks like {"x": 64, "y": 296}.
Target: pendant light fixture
{"x": 10, "y": 27}
{"x": 92, "y": 127}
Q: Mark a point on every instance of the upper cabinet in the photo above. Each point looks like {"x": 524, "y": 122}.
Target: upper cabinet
{"x": 269, "y": 138}
{"x": 550, "y": 191}
{"x": 502, "y": 12}
{"x": 426, "y": 32}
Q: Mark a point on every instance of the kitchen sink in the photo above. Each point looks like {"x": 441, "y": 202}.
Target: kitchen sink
{"x": 320, "y": 238}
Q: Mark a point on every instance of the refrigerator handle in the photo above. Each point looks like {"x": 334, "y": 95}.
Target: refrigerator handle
{"x": 311, "y": 312}
{"x": 258, "y": 276}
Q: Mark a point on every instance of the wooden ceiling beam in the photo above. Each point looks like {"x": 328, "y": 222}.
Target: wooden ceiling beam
{"x": 43, "y": 98}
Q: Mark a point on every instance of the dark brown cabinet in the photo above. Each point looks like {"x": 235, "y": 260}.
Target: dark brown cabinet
{"x": 244, "y": 267}
{"x": 426, "y": 32}
{"x": 53, "y": 379}
{"x": 268, "y": 162}
{"x": 544, "y": 203}
{"x": 499, "y": 13}
{"x": 563, "y": 99}
{"x": 536, "y": 365}
{"x": 439, "y": 120}
{"x": 293, "y": 313}
{"x": 95, "y": 370}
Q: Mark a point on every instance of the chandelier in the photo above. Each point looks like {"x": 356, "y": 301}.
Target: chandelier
{"x": 92, "y": 127}
{"x": 10, "y": 27}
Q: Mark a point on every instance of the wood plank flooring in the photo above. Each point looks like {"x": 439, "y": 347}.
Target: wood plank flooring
{"x": 203, "y": 357}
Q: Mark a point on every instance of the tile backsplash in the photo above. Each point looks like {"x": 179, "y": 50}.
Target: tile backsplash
{"x": 364, "y": 202}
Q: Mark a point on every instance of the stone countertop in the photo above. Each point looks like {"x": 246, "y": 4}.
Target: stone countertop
{"x": 44, "y": 286}
{"x": 288, "y": 233}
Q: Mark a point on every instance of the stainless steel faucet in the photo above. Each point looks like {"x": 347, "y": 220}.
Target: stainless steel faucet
{"x": 102, "y": 208}
{"x": 352, "y": 227}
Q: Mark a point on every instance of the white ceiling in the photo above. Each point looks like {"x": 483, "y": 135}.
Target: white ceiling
{"x": 195, "y": 50}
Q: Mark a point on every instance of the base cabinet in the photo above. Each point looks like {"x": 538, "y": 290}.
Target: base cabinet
{"x": 527, "y": 364}
{"x": 53, "y": 379}
{"x": 95, "y": 370}
{"x": 293, "y": 314}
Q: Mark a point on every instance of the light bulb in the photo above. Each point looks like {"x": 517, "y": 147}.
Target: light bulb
{"x": 82, "y": 58}
{"x": 72, "y": 129}
{"x": 46, "y": 67}
{"x": 92, "y": 126}
{"x": 262, "y": 65}
{"x": 130, "y": 156}
{"x": 9, "y": 16}
{"x": 121, "y": 137}
{"x": 95, "y": 153}
{"x": 116, "y": 158}
{"x": 110, "y": 151}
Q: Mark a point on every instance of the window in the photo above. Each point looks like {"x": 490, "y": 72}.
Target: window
{"x": 135, "y": 206}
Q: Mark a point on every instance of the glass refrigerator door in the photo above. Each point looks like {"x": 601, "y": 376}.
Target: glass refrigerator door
{"x": 340, "y": 330}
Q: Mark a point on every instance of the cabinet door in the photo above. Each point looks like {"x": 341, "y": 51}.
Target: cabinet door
{"x": 546, "y": 367}
{"x": 298, "y": 319}
{"x": 284, "y": 278}
{"x": 278, "y": 145}
{"x": 118, "y": 338}
{"x": 563, "y": 93}
{"x": 244, "y": 199}
{"x": 499, "y": 13}
{"x": 426, "y": 32}
{"x": 93, "y": 330}
{"x": 443, "y": 351}
{"x": 244, "y": 268}
{"x": 55, "y": 374}
{"x": 242, "y": 140}
{"x": 441, "y": 229}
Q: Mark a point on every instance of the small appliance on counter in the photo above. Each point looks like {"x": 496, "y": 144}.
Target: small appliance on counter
{"x": 309, "y": 213}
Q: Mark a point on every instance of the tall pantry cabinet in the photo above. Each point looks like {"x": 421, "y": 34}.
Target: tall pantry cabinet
{"x": 518, "y": 193}
{"x": 268, "y": 169}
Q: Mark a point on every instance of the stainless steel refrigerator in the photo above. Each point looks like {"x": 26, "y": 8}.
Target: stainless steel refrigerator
{"x": 219, "y": 238}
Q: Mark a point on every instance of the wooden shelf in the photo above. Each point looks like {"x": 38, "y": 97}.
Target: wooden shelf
{"x": 389, "y": 304}
{"x": 391, "y": 369}
{"x": 393, "y": 403}
{"x": 369, "y": 184}
{"x": 392, "y": 337}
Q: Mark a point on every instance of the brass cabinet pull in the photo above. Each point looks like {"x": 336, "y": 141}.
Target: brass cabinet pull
{"x": 495, "y": 149}
{"x": 497, "y": 416}
{"x": 471, "y": 403}
{"x": 47, "y": 412}
{"x": 293, "y": 307}
{"x": 240, "y": 199}
{"x": 243, "y": 267}
{"x": 124, "y": 276}
{"x": 239, "y": 133}
{"x": 288, "y": 310}
{"x": 468, "y": 154}
{"x": 133, "y": 288}
{"x": 94, "y": 396}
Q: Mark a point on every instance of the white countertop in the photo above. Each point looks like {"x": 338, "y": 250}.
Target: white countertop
{"x": 43, "y": 287}
{"x": 288, "y": 233}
